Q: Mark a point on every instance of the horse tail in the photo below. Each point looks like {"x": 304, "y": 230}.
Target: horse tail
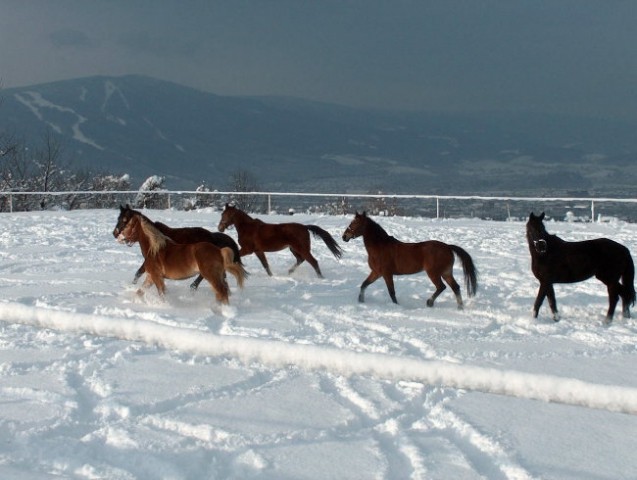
{"x": 327, "y": 238}
{"x": 236, "y": 269}
{"x": 628, "y": 278}
{"x": 236, "y": 255}
{"x": 469, "y": 269}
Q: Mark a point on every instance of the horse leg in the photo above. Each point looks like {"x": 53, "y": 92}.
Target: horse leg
{"x": 455, "y": 288}
{"x": 194, "y": 285}
{"x": 299, "y": 261}
{"x": 550, "y": 293}
{"x": 613, "y": 297}
{"x": 389, "y": 281}
{"x": 264, "y": 262}
{"x": 539, "y": 300}
{"x": 626, "y": 301}
{"x": 440, "y": 287}
{"x": 219, "y": 287}
{"x": 371, "y": 278}
{"x": 140, "y": 271}
{"x": 312, "y": 261}
{"x": 157, "y": 280}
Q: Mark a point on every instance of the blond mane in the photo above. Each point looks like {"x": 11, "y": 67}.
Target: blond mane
{"x": 157, "y": 239}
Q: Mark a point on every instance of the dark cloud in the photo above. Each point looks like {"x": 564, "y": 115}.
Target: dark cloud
{"x": 559, "y": 56}
{"x": 159, "y": 45}
{"x": 71, "y": 38}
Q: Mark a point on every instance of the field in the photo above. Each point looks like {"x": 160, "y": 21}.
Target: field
{"x": 297, "y": 380}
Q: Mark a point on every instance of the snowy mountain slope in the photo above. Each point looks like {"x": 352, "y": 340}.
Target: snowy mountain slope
{"x": 143, "y": 126}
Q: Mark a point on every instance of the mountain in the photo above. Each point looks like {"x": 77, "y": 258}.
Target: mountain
{"x": 144, "y": 126}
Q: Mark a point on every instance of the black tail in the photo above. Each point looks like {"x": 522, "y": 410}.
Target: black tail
{"x": 469, "y": 269}
{"x": 628, "y": 279}
{"x": 327, "y": 238}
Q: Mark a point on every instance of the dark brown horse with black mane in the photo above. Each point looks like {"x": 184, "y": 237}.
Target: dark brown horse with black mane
{"x": 388, "y": 256}
{"x": 179, "y": 235}
{"x": 258, "y": 237}
{"x": 554, "y": 260}
{"x": 164, "y": 258}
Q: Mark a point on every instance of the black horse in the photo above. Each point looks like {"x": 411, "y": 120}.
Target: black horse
{"x": 554, "y": 260}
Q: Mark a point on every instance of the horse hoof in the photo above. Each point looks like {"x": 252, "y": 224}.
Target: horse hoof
{"x": 430, "y": 303}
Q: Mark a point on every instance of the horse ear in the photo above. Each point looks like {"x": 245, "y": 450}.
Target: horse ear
{"x": 541, "y": 217}
{"x": 364, "y": 214}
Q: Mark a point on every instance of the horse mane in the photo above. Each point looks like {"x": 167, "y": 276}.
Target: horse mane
{"x": 157, "y": 239}
{"x": 376, "y": 230}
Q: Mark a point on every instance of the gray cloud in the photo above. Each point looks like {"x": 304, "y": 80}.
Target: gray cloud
{"x": 160, "y": 45}
{"x": 70, "y": 38}
{"x": 559, "y": 56}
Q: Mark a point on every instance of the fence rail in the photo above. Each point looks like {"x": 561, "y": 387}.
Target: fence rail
{"x": 437, "y": 206}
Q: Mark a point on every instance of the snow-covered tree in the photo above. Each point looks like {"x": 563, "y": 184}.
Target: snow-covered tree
{"x": 146, "y": 199}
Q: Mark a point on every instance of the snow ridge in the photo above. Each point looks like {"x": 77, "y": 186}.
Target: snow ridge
{"x": 547, "y": 388}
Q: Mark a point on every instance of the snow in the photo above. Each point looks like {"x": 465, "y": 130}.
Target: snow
{"x": 38, "y": 104}
{"x": 295, "y": 378}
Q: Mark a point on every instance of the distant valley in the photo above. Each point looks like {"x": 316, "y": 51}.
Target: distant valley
{"x": 143, "y": 126}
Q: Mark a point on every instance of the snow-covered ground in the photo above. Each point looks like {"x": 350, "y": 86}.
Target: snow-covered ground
{"x": 296, "y": 379}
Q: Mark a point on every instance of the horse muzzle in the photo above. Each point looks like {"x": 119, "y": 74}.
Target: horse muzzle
{"x": 222, "y": 226}
{"x": 348, "y": 235}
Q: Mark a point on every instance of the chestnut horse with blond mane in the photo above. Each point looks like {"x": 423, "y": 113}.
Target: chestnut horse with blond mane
{"x": 179, "y": 235}
{"x": 166, "y": 259}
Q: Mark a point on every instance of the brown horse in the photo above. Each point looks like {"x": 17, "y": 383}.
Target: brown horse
{"x": 166, "y": 259}
{"x": 388, "y": 257}
{"x": 258, "y": 237}
{"x": 179, "y": 235}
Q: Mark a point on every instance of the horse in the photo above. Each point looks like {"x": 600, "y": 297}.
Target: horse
{"x": 554, "y": 260}
{"x": 258, "y": 237}
{"x": 388, "y": 256}
{"x": 164, "y": 258}
{"x": 179, "y": 235}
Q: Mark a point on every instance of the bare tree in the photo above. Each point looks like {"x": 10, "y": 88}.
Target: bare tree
{"x": 245, "y": 182}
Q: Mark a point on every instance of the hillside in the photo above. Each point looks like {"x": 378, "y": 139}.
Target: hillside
{"x": 143, "y": 126}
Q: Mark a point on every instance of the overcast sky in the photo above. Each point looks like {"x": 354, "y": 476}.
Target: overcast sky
{"x": 565, "y": 56}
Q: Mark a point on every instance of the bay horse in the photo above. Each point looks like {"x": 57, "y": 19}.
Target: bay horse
{"x": 258, "y": 237}
{"x": 179, "y": 235}
{"x": 164, "y": 258}
{"x": 388, "y": 256}
{"x": 554, "y": 260}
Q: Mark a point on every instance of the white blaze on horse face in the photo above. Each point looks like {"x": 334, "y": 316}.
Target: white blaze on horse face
{"x": 121, "y": 238}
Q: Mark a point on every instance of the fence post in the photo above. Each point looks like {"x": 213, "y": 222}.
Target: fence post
{"x": 592, "y": 210}
{"x": 437, "y": 208}
{"x": 10, "y": 203}
{"x": 269, "y": 204}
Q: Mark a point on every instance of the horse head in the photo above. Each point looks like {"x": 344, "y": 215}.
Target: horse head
{"x": 536, "y": 233}
{"x": 356, "y": 227}
{"x": 124, "y": 230}
{"x": 227, "y": 217}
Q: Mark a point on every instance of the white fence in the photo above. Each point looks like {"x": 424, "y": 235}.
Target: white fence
{"x": 437, "y": 206}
